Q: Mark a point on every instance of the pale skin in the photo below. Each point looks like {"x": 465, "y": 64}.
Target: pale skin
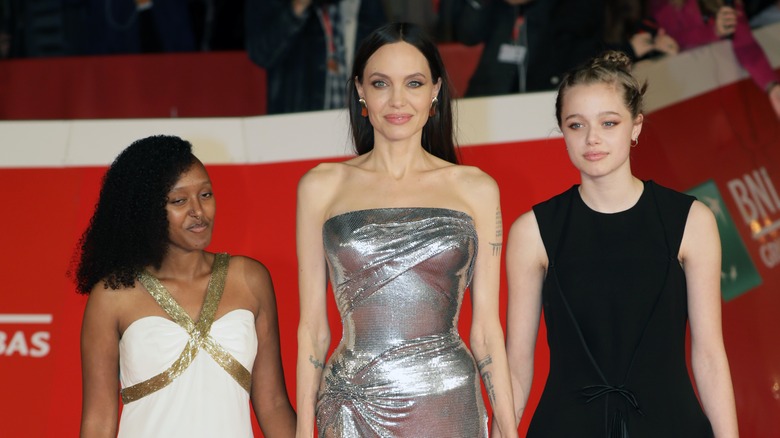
{"x": 643, "y": 43}
{"x": 598, "y": 128}
{"x": 398, "y": 90}
{"x": 300, "y": 6}
{"x": 726, "y": 21}
{"x": 185, "y": 272}
{"x": 725, "y": 26}
{"x": 774, "y": 98}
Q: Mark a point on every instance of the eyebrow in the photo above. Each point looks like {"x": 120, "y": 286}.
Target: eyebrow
{"x": 603, "y": 113}
{"x": 384, "y": 76}
{"x": 205, "y": 182}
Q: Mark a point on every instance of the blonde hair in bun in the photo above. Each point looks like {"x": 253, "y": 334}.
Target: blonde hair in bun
{"x": 611, "y": 68}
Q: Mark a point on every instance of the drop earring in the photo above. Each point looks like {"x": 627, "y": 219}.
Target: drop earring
{"x": 432, "y": 112}
{"x": 364, "y": 109}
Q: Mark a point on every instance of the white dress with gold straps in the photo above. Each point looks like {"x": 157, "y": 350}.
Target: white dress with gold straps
{"x": 185, "y": 378}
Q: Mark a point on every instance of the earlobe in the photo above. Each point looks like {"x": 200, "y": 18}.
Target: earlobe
{"x": 637, "y": 125}
{"x": 358, "y": 87}
{"x": 437, "y": 88}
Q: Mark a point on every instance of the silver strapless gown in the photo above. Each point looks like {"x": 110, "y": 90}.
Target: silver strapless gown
{"x": 401, "y": 369}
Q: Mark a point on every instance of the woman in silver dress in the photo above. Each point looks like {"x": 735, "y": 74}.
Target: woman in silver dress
{"x": 401, "y": 230}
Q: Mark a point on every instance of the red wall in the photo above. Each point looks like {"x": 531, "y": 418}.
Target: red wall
{"x": 156, "y": 86}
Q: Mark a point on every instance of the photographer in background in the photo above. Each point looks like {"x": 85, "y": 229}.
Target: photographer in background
{"x": 306, "y": 48}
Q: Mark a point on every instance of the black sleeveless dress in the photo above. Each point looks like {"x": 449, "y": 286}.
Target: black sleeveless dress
{"x": 615, "y": 306}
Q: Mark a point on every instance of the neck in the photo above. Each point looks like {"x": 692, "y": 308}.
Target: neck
{"x": 398, "y": 158}
{"x": 184, "y": 264}
{"x": 611, "y": 194}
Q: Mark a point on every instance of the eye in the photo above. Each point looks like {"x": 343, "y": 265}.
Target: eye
{"x": 207, "y": 195}
{"x": 415, "y": 84}
{"x": 610, "y": 123}
{"x": 177, "y": 201}
{"x": 575, "y": 125}
{"x": 379, "y": 84}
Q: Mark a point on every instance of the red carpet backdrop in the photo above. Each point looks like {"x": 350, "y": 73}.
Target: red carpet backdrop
{"x": 709, "y": 131}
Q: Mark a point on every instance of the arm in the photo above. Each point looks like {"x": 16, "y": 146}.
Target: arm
{"x": 700, "y": 254}
{"x": 313, "y": 329}
{"x": 271, "y": 26}
{"x": 750, "y": 54}
{"x": 487, "y": 336}
{"x": 269, "y": 393}
{"x": 685, "y": 25}
{"x": 100, "y": 364}
{"x": 773, "y": 92}
{"x": 526, "y": 262}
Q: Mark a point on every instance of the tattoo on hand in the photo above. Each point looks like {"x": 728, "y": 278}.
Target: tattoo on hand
{"x": 316, "y": 363}
{"x": 496, "y": 248}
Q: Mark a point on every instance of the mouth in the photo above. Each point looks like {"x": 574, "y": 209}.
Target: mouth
{"x": 594, "y": 156}
{"x": 198, "y": 227}
{"x": 398, "y": 119}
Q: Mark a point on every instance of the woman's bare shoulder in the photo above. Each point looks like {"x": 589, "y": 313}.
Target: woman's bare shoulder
{"x": 322, "y": 178}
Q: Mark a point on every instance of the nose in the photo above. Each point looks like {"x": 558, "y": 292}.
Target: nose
{"x": 196, "y": 210}
{"x": 593, "y": 137}
{"x": 398, "y": 98}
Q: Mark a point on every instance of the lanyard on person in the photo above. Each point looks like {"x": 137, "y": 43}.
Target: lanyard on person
{"x": 519, "y": 20}
{"x": 517, "y": 52}
{"x": 330, "y": 43}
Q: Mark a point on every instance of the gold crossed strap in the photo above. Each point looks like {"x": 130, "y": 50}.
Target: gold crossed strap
{"x": 199, "y": 333}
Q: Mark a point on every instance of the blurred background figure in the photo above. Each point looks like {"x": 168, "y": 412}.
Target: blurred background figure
{"x": 420, "y": 12}
{"x": 46, "y": 28}
{"x": 530, "y": 44}
{"x": 306, "y": 47}
{"x": 695, "y": 23}
{"x": 762, "y": 12}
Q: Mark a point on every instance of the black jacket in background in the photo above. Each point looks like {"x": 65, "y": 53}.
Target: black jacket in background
{"x": 292, "y": 51}
{"x": 561, "y": 35}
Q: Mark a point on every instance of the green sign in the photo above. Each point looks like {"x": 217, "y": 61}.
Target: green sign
{"x": 738, "y": 274}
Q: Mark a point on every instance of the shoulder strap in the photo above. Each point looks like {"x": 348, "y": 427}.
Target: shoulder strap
{"x": 199, "y": 333}
{"x": 673, "y": 208}
{"x": 551, "y": 217}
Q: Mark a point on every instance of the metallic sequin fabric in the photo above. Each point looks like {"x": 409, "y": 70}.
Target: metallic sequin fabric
{"x": 401, "y": 369}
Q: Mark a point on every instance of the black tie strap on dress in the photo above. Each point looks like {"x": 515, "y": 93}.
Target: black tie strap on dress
{"x": 593, "y": 392}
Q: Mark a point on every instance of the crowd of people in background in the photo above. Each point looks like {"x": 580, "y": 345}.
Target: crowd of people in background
{"x": 306, "y": 46}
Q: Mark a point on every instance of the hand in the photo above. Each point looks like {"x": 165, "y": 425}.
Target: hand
{"x": 774, "y": 99}
{"x": 642, "y": 43}
{"x": 299, "y": 6}
{"x": 665, "y": 44}
{"x": 725, "y": 21}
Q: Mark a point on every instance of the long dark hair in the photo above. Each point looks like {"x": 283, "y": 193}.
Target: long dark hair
{"x": 129, "y": 228}
{"x": 437, "y": 135}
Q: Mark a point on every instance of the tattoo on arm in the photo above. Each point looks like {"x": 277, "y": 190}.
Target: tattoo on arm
{"x": 316, "y": 363}
{"x": 499, "y": 233}
{"x": 487, "y": 378}
{"x": 484, "y": 362}
{"x": 499, "y": 224}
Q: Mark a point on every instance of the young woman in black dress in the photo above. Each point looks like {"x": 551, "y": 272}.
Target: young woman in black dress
{"x": 620, "y": 266}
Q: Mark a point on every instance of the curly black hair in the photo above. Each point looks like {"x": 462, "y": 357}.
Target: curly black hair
{"x": 129, "y": 227}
